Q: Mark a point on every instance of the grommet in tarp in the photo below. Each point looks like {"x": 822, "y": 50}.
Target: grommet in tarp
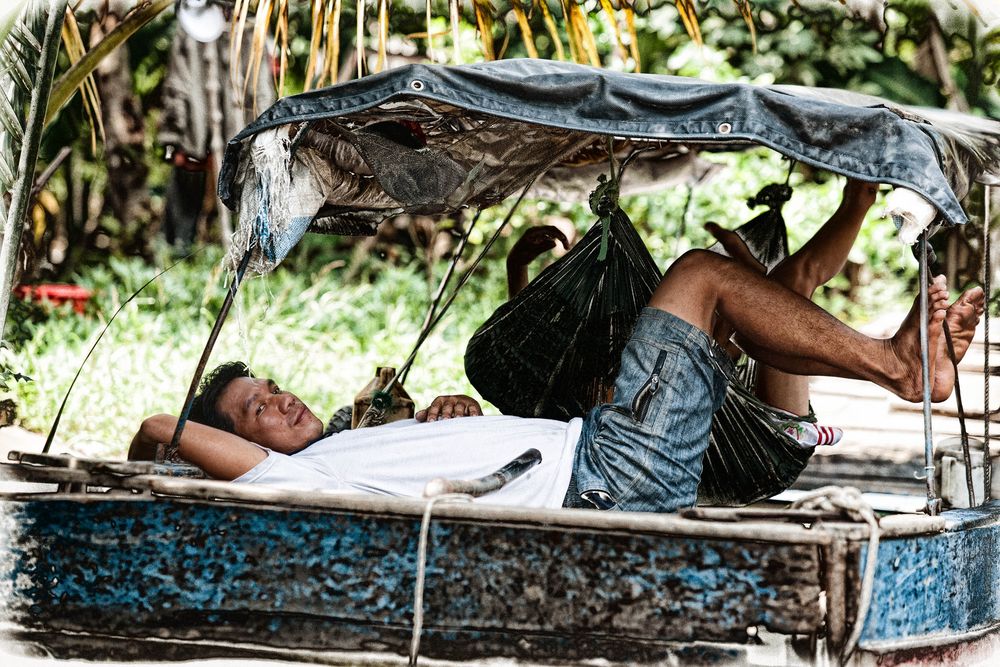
{"x": 417, "y": 85}
{"x": 725, "y": 128}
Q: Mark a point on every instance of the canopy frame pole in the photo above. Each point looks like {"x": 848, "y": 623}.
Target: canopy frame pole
{"x": 436, "y": 299}
{"x": 933, "y": 502}
{"x": 405, "y": 369}
{"x": 987, "y": 411}
{"x": 171, "y": 450}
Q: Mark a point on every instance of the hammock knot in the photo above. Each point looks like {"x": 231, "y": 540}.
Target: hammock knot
{"x": 773, "y": 196}
{"x": 604, "y": 202}
{"x": 845, "y": 499}
{"x": 604, "y": 198}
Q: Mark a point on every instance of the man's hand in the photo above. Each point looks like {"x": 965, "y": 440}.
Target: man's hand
{"x": 534, "y": 242}
{"x": 188, "y": 163}
{"x": 447, "y": 407}
{"x": 860, "y": 194}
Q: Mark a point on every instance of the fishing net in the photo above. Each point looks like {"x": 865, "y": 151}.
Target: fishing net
{"x": 554, "y": 351}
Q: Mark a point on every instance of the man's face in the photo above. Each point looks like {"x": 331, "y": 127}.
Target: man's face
{"x": 264, "y": 414}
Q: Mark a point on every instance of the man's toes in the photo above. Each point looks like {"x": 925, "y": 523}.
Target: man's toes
{"x": 734, "y": 245}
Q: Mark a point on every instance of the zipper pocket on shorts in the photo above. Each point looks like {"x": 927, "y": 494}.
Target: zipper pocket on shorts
{"x": 643, "y": 397}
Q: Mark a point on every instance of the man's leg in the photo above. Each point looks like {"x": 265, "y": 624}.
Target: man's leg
{"x": 786, "y": 331}
{"x": 185, "y": 195}
{"x": 813, "y": 265}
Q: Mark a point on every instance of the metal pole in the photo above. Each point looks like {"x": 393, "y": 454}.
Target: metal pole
{"x": 29, "y": 154}
{"x": 933, "y": 502}
{"x": 205, "y": 354}
{"x": 987, "y": 411}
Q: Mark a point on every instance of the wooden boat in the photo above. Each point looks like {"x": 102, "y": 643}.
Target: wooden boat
{"x": 142, "y": 560}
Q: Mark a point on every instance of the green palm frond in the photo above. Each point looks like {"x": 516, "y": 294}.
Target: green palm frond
{"x": 45, "y": 27}
{"x": 19, "y": 51}
{"x": 10, "y": 120}
{"x": 75, "y": 49}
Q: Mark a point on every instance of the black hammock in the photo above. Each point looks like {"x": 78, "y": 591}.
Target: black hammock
{"x": 554, "y": 349}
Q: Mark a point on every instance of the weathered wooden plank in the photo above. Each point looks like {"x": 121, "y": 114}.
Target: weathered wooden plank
{"x": 315, "y": 579}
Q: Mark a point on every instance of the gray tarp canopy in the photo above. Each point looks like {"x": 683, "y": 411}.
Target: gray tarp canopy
{"x": 479, "y": 133}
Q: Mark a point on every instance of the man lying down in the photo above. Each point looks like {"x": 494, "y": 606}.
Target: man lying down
{"x": 641, "y": 452}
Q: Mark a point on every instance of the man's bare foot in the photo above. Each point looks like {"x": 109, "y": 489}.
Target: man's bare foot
{"x": 961, "y": 318}
{"x": 735, "y": 246}
{"x": 904, "y": 375}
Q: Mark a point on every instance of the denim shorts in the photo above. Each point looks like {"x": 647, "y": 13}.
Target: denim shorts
{"x": 643, "y": 451}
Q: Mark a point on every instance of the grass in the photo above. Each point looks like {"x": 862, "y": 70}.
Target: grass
{"x": 315, "y": 337}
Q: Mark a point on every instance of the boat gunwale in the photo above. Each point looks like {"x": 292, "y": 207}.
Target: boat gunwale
{"x": 146, "y": 487}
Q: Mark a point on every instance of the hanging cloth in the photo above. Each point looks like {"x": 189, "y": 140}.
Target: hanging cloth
{"x": 554, "y": 350}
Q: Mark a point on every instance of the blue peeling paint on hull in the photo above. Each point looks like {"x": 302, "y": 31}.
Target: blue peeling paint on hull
{"x": 323, "y": 579}
{"x": 938, "y": 585}
{"x": 327, "y": 579}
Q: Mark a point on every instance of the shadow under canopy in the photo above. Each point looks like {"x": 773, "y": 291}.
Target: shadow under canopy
{"x": 432, "y": 140}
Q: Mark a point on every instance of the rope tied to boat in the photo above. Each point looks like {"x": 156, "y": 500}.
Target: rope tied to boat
{"x": 848, "y": 500}
{"x": 418, "y": 589}
{"x": 456, "y": 490}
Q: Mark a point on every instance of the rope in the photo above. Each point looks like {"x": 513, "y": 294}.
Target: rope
{"x": 964, "y": 432}
{"x": 792, "y": 163}
{"x": 436, "y": 300}
{"x": 963, "y": 428}
{"x": 418, "y": 589}
{"x": 849, "y": 501}
{"x": 987, "y": 411}
{"x": 461, "y": 283}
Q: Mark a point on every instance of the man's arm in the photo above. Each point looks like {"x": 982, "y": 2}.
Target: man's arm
{"x": 220, "y": 454}
{"x": 532, "y": 243}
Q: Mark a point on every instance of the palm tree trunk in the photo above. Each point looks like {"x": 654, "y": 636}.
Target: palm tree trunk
{"x": 29, "y": 155}
{"x": 124, "y": 131}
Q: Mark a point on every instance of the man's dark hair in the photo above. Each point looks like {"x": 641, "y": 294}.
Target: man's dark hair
{"x": 205, "y": 408}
